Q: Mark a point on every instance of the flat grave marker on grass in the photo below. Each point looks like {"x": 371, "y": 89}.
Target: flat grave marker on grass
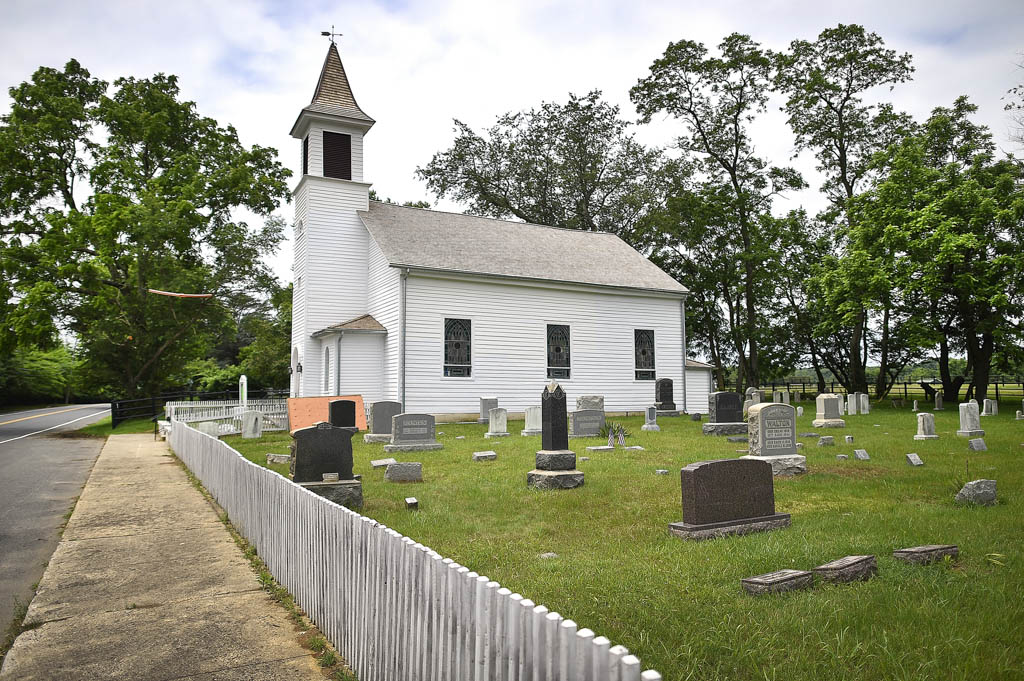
{"x": 861, "y": 455}
{"x": 848, "y": 569}
{"x": 914, "y": 460}
{"x": 382, "y": 463}
{"x": 928, "y": 553}
{"x": 977, "y": 445}
{"x": 406, "y": 471}
{"x": 826, "y": 441}
{"x": 777, "y": 582}
{"x": 279, "y": 458}
{"x": 485, "y": 456}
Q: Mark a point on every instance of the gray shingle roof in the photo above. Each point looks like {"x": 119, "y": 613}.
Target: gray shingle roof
{"x": 415, "y": 237}
{"x": 333, "y": 94}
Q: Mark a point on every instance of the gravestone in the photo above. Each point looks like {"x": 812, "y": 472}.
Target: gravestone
{"x": 777, "y": 397}
{"x": 970, "y": 423}
{"x": 1020, "y": 415}
{"x": 381, "y": 415}
{"x": 861, "y": 455}
{"x": 320, "y": 449}
{"x": 771, "y": 430}
{"x": 725, "y": 414}
{"x": 486, "y": 405}
{"x": 406, "y": 471}
{"x": 279, "y": 458}
{"x": 977, "y": 445}
{"x": 785, "y": 397}
{"x": 979, "y": 492}
{"x": 663, "y": 397}
{"x": 926, "y": 426}
{"x": 341, "y": 413}
{"x": 826, "y": 411}
{"x": 556, "y": 463}
{"x": 915, "y": 406}
{"x": 929, "y": 553}
{"x": 651, "y": 419}
{"x": 778, "y": 582}
{"x": 533, "y": 422}
{"x": 208, "y": 427}
{"x": 938, "y": 401}
{"x": 842, "y": 457}
{"x": 586, "y": 423}
{"x": 849, "y": 439}
{"x": 252, "y": 425}
{"x": 865, "y": 403}
{"x": 412, "y": 503}
{"x": 852, "y": 402}
{"x": 991, "y": 408}
{"x": 826, "y": 441}
{"x": 727, "y": 496}
{"x": 497, "y": 423}
{"x": 914, "y": 460}
{"x": 412, "y": 433}
{"x": 382, "y": 463}
{"x": 485, "y": 456}
{"x": 747, "y": 404}
{"x": 848, "y": 569}
{"x": 799, "y": 411}
{"x": 590, "y": 402}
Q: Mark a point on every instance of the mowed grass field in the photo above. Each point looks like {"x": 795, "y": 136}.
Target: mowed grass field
{"x": 678, "y": 604}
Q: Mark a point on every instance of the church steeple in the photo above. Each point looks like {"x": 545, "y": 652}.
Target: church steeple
{"x": 333, "y": 98}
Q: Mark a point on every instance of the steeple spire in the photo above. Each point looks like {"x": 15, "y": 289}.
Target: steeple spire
{"x": 333, "y": 91}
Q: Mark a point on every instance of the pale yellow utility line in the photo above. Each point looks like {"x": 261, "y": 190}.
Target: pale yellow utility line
{"x": 49, "y": 413}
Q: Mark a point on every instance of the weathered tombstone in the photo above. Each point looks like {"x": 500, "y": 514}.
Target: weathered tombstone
{"x": 651, "y": 419}
{"x": 663, "y": 397}
{"x": 556, "y": 463}
{"x": 777, "y": 582}
{"x": 970, "y": 423}
{"x": 826, "y": 441}
{"x": 279, "y": 458}
{"x": 208, "y": 427}
{"x": 979, "y": 492}
{"x": 412, "y": 503}
{"x": 725, "y": 414}
{"x": 747, "y": 404}
{"x": 342, "y": 413}
{"x": 412, "y": 433}
{"x": 727, "y": 496}
{"x": 382, "y": 463}
{"x": 590, "y": 402}
{"x": 977, "y": 445}
{"x": 929, "y": 553}
{"x": 1020, "y": 415}
{"x": 915, "y": 406}
{"x": 771, "y": 430}
{"x": 849, "y": 439}
{"x": 696, "y": 416}
{"x": 865, "y": 403}
{"x": 852, "y": 402}
{"x": 777, "y": 397}
{"x": 785, "y": 397}
{"x": 586, "y": 423}
{"x": 826, "y": 411}
{"x": 938, "y": 401}
{"x": 861, "y": 455}
{"x": 381, "y": 415}
{"x": 799, "y": 411}
{"x": 914, "y": 460}
{"x": 926, "y": 426}
{"x": 848, "y": 569}
{"x": 842, "y": 457}
{"x": 406, "y": 471}
{"x": 991, "y": 408}
{"x": 497, "y": 423}
{"x": 486, "y": 405}
{"x": 485, "y": 456}
{"x": 252, "y": 424}
{"x": 320, "y": 449}
{"x": 532, "y": 422}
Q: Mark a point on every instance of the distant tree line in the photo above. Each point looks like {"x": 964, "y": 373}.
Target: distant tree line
{"x": 917, "y": 257}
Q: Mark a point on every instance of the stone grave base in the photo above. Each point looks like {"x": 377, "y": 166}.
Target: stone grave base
{"x": 727, "y": 527}
{"x": 724, "y": 429}
{"x": 776, "y": 582}
{"x": 423, "y": 447}
{"x": 538, "y": 479}
{"x": 377, "y": 438}
{"x": 556, "y": 460}
{"x": 929, "y": 553}
{"x": 828, "y": 423}
{"x": 489, "y": 435}
{"x": 785, "y": 464}
{"x": 652, "y": 427}
{"x": 848, "y": 569}
{"x": 970, "y": 433}
{"x": 279, "y": 458}
{"x": 347, "y": 493}
{"x": 669, "y": 412}
{"x": 529, "y": 433}
{"x": 926, "y": 437}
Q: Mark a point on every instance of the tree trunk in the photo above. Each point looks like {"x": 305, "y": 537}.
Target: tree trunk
{"x": 983, "y": 367}
{"x": 858, "y": 380}
{"x": 881, "y": 387}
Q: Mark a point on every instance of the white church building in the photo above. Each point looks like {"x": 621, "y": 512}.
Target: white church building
{"x": 436, "y": 310}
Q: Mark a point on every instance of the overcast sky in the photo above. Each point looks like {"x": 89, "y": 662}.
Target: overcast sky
{"x": 414, "y": 66}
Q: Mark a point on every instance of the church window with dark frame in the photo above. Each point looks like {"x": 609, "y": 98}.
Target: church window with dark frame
{"x": 457, "y": 348}
{"x": 643, "y": 352}
{"x": 305, "y": 155}
{"x": 558, "y": 351}
{"x": 337, "y": 155}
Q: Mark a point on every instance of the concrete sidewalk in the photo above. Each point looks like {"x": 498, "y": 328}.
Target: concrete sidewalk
{"x": 147, "y": 584}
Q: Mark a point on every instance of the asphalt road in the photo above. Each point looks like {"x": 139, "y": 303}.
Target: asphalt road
{"x": 40, "y": 474}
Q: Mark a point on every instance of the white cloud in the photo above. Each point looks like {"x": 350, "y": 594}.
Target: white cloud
{"x": 415, "y": 67}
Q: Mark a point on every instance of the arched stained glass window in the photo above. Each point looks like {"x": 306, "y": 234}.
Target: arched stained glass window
{"x": 643, "y": 349}
{"x": 457, "y": 347}
{"x": 558, "y": 351}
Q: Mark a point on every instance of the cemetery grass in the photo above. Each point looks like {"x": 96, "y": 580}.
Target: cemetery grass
{"x": 102, "y": 428}
{"x": 678, "y": 605}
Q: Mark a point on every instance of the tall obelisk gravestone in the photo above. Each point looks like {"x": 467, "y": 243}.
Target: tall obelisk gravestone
{"x": 556, "y": 464}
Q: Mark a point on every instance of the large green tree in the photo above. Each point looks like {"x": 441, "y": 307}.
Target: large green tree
{"x": 108, "y": 192}
{"x": 574, "y": 165}
{"x": 723, "y": 221}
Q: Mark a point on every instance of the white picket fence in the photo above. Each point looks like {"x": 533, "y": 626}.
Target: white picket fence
{"x": 394, "y": 608}
{"x": 228, "y": 413}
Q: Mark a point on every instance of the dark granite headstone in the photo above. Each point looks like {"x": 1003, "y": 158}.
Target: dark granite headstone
{"x": 342, "y": 413}
{"x": 663, "y": 394}
{"x": 381, "y": 414}
{"x": 554, "y": 422}
{"x": 320, "y": 449}
{"x": 727, "y": 496}
{"x": 725, "y": 407}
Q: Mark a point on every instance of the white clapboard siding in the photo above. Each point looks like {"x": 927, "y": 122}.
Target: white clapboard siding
{"x": 395, "y": 609}
{"x": 698, "y": 387}
{"x": 361, "y": 365}
{"x": 382, "y": 302}
{"x": 509, "y": 343}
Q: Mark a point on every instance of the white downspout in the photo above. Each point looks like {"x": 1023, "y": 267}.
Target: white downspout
{"x": 401, "y": 338}
{"x": 337, "y": 364}
{"x": 682, "y": 324}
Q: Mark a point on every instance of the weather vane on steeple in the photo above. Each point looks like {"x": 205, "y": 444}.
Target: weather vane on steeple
{"x": 330, "y": 34}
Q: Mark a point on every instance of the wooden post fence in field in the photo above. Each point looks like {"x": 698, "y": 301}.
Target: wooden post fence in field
{"x": 395, "y": 609}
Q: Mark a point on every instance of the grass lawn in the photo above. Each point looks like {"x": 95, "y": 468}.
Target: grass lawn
{"x": 678, "y": 605}
{"x": 102, "y": 428}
